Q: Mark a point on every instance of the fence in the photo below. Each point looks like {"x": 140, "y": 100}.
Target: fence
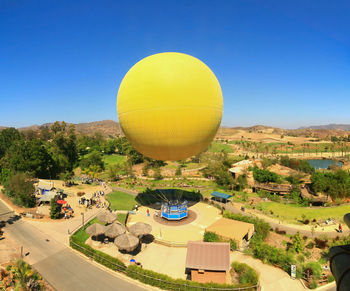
{"x": 141, "y": 276}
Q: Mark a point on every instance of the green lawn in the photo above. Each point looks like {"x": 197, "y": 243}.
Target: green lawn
{"x": 113, "y": 159}
{"x": 121, "y": 201}
{"x": 293, "y": 213}
{"x": 217, "y": 147}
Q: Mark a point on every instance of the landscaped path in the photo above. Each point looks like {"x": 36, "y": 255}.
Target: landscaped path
{"x": 288, "y": 228}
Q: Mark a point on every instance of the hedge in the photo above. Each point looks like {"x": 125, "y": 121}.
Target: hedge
{"x": 98, "y": 256}
{"x": 213, "y": 237}
{"x": 167, "y": 283}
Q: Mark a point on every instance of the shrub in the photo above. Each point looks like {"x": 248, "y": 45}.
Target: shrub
{"x": 233, "y": 245}
{"x": 310, "y": 245}
{"x": 321, "y": 244}
{"x": 316, "y": 269}
{"x": 313, "y": 284}
{"x": 246, "y": 275}
{"x": 330, "y": 278}
{"x": 211, "y": 237}
{"x": 301, "y": 258}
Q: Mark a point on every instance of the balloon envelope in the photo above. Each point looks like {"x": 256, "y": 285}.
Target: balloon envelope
{"x": 170, "y": 106}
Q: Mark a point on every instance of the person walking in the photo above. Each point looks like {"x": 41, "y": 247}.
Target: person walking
{"x": 340, "y": 228}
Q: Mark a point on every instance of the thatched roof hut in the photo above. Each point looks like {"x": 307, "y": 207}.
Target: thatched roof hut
{"x": 95, "y": 229}
{"x": 107, "y": 216}
{"x": 127, "y": 242}
{"x": 115, "y": 229}
{"x": 140, "y": 229}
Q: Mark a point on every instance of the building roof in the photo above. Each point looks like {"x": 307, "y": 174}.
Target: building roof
{"x": 47, "y": 197}
{"x": 230, "y": 228}
{"x": 221, "y": 195}
{"x": 242, "y": 163}
{"x": 208, "y": 256}
{"x": 44, "y": 185}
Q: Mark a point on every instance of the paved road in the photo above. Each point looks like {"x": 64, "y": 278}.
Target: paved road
{"x": 58, "y": 264}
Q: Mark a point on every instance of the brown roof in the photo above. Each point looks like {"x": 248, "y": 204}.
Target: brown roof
{"x": 230, "y": 228}
{"x": 208, "y": 256}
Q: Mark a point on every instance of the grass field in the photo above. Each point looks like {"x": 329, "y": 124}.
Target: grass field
{"x": 113, "y": 159}
{"x": 293, "y": 213}
{"x": 218, "y": 147}
{"x": 121, "y": 201}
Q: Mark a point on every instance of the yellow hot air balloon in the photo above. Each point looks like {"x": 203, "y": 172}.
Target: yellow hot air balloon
{"x": 170, "y": 106}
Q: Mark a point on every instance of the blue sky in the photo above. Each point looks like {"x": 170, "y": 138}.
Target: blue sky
{"x": 279, "y": 63}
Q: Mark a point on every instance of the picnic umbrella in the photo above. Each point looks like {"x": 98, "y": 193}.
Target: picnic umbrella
{"x": 115, "y": 229}
{"x": 61, "y": 202}
{"x": 107, "y": 217}
{"x": 127, "y": 242}
{"x": 140, "y": 229}
{"x": 95, "y": 229}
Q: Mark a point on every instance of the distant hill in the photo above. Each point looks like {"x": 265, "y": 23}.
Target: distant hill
{"x": 332, "y": 126}
{"x": 104, "y": 127}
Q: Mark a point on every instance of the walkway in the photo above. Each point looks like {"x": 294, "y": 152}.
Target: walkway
{"x": 288, "y": 228}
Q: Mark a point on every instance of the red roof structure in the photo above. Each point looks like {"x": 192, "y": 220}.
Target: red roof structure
{"x": 208, "y": 256}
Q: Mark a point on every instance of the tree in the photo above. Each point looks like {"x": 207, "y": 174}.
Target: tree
{"x": 92, "y": 159}
{"x": 178, "y": 171}
{"x": 20, "y": 188}
{"x": 157, "y": 174}
{"x": 55, "y": 209}
{"x": 8, "y": 136}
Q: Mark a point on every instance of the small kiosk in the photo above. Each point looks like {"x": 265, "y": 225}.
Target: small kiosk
{"x": 174, "y": 210}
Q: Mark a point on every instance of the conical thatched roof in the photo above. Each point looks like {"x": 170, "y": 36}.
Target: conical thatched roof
{"x": 95, "y": 229}
{"x": 126, "y": 242}
{"x": 140, "y": 229}
{"x": 107, "y": 217}
{"x": 115, "y": 229}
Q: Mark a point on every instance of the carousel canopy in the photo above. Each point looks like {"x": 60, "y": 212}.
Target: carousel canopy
{"x": 140, "y": 229}
{"x": 95, "y": 229}
{"x": 106, "y": 216}
{"x": 127, "y": 242}
{"x": 115, "y": 229}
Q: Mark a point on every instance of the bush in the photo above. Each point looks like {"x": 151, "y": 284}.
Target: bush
{"x": 313, "y": 284}
{"x": 310, "y": 245}
{"x": 321, "y": 244}
{"x": 211, "y": 237}
{"x": 246, "y": 275}
{"x": 298, "y": 243}
{"x": 316, "y": 269}
{"x": 330, "y": 278}
{"x": 233, "y": 245}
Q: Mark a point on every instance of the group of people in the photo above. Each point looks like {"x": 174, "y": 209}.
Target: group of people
{"x": 68, "y": 211}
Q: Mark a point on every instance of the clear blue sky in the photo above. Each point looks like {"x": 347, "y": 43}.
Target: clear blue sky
{"x": 279, "y": 63}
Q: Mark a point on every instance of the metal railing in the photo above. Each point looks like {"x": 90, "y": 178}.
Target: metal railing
{"x": 173, "y": 285}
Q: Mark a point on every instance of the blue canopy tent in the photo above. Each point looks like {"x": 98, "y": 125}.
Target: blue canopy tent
{"x": 221, "y": 196}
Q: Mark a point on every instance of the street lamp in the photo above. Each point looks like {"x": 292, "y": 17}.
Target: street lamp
{"x": 82, "y": 216}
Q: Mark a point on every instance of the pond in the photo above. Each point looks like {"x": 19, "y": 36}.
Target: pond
{"x": 323, "y": 164}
